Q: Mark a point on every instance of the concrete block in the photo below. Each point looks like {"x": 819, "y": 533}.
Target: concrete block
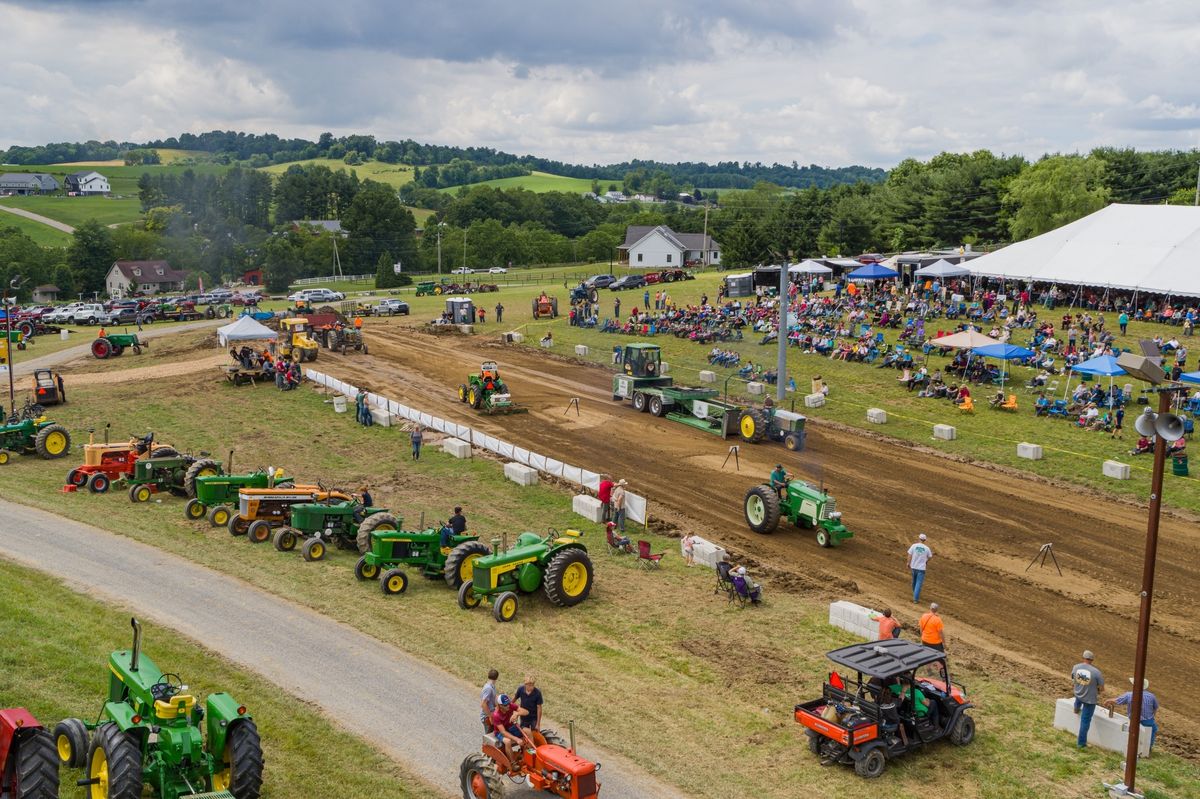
{"x": 706, "y": 552}
{"x": 545, "y": 343}
{"x": 1032, "y": 452}
{"x": 853, "y": 618}
{"x": 945, "y": 432}
{"x": 754, "y": 388}
{"x": 1111, "y": 733}
{"x": 588, "y": 507}
{"x": 1116, "y": 470}
{"x": 468, "y": 329}
{"x": 581, "y": 349}
{"x": 520, "y": 474}
{"x": 456, "y": 447}
{"x": 707, "y": 376}
{"x": 877, "y": 415}
{"x": 382, "y": 417}
{"x": 814, "y": 400}
{"x": 516, "y": 338}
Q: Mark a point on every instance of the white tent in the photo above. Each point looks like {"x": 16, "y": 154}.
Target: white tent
{"x": 942, "y": 268}
{"x": 246, "y": 328}
{"x": 1144, "y": 247}
{"x": 964, "y": 340}
{"x": 809, "y": 267}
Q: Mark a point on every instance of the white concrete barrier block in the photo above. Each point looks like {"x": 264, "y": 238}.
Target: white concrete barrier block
{"x": 456, "y": 447}
{"x": 468, "y": 329}
{"x": 517, "y": 338}
{"x": 877, "y": 415}
{"x": 382, "y": 417}
{"x": 1106, "y": 732}
{"x": 707, "y": 376}
{"x": 945, "y": 432}
{"x": 814, "y": 400}
{"x": 1032, "y": 452}
{"x": 520, "y": 474}
{"x": 588, "y": 507}
{"x": 706, "y": 553}
{"x": 582, "y": 350}
{"x": 754, "y": 388}
{"x": 1116, "y": 470}
{"x": 853, "y": 618}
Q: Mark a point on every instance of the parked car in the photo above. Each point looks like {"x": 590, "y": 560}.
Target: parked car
{"x": 88, "y": 313}
{"x": 61, "y": 315}
{"x": 497, "y": 270}
{"x": 245, "y": 299}
{"x": 124, "y": 315}
{"x": 391, "y": 308}
{"x": 628, "y": 282}
{"x": 462, "y": 270}
{"x": 316, "y": 295}
{"x": 599, "y": 281}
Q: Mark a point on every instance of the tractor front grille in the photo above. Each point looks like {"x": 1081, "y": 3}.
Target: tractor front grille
{"x": 210, "y": 795}
{"x": 586, "y": 783}
{"x": 829, "y": 509}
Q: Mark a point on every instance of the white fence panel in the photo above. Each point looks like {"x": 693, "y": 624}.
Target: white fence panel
{"x": 463, "y": 432}
{"x": 573, "y": 473}
{"x": 504, "y": 448}
{"x": 554, "y": 467}
{"x": 590, "y": 480}
{"x": 521, "y": 455}
{"x": 537, "y": 461}
{"x": 426, "y": 419}
{"x": 635, "y": 508}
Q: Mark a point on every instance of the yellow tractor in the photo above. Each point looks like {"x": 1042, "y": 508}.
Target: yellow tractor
{"x": 294, "y": 341}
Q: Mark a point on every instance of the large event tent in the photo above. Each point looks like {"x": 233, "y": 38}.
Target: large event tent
{"x": 1134, "y": 247}
{"x": 244, "y": 329}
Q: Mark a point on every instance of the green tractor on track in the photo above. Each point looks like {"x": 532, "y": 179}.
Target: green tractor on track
{"x": 487, "y": 392}
{"x": 216, "y": 495}
{"x": 47, "y": 439}
{"x": 556, "y": 563}
{"x": 319, "y": 524}
{"x": 114, "y": 344}
{"x": 176, "y": 474}
{"x": 389, "y": 548}
{"x": 804, "y": 505}
{"x": 151, "y": 731}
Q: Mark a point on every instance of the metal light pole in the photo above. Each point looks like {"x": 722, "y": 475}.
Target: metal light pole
{"x": 8, "y": 348}
{"x": 781, "y": 362}
{"x": 440, "y": 225}
{"x": 464, "y": 249}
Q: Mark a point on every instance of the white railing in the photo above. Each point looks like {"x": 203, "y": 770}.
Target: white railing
{"x": 308, "y": 281}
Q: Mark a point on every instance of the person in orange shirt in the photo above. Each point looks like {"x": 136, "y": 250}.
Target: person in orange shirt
{"x": 932, "y": 629}
{"x": 888, "y": 627}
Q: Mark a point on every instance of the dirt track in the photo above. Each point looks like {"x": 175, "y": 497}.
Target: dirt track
{"x": 984, "y": 525}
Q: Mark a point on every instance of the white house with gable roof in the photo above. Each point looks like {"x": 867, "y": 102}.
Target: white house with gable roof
{"x": 659, "y": 247}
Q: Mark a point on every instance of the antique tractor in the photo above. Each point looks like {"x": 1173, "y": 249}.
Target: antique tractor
{"x": 45, "y": 388}
{"x": 104, "y": 463}
{"x": 262, "y": 509}
{"x": 28, "y": 763}
{"x": 114, "y": 344}
{"x": 348, "y": 338}
{"x": 151, "y": 731}
{"x": 215, "y": 495}
{"x": 294, "y": 341}
{"x": 558, "y": 564}
{"x": 427, "y": 288}
{"x": 546, "y": 763}
{"x": 174, "y": 473}
{"x": 389, "y": 548}
{"x": 319, "y": 524}
{"x": 803, "y": 504}
{"x": 544, "y": 306}
{"x": 487, "y": 392}
{"x": 47, "y": 439}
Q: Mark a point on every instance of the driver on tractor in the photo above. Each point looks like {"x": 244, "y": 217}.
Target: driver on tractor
{"x": 446, "y": 538}
{"x": 779, "y": 479}
{"x": 508, "y": 734}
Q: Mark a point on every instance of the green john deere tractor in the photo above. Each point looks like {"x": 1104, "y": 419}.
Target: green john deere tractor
{"x": 47, "y": 439}
{"x": 556, "y": 563}
{"x": 319, "y": 524}
{"x": 389, "y": 548}
{"x": 216, "y": 495}
{"x": 803, "y": 504}
{"x": 149, "y": 732}
{"x": 114, "y": 344}
{"x": 174, "y": 473}
{"x": 487, "y": 392}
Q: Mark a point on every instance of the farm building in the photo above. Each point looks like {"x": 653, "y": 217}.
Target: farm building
{"x": 27, "y": 183}
{"x": 46, "y": 293}
{"x": 657, "y": 247}
{"x": 126, "y": 278}
{"x": 87, "y": 182}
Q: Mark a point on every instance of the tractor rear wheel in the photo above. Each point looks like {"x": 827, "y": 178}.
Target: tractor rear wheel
{"x": 71, "y": 741}
{"x": 393, "y": 581}
{"x": 313, "y": 550}
{"x": 466, "y": 596}
{"x": 554, "y": 739}
{"x": 376, "y": 521}
{"x": 568, "y": 579}
{"x": 98, "y": 483}
{"x": 141, "y": 493}
{"x": 461, "y": 560}
{"x": 284, "y": 539}
{"x": 479, "y": 778}
{"x": 259, "y": 531}
{"x": 242, "y": 761}
{"x": 656, "y": 405}
{"x": 164, "y": 452}
{"x": 101, "y": 348}
{"x": 964, "y": 731}
{"x": 205, "y": 467}
{"x": 872, "y": 764}
{"x": 364, "y": 570}
{"x": 114, "y": 759}
{"x": 219, "y": 515}
{"x": 34, "y": 767}
{"x": 53, "y": 441}
{"x": 504, "y": 608}
{"x": 753, "y": 426}
{"x": 194, "y": 510}
{"x": 761, "y": 507}
{"x": 639, "y": 401}
{"x": 793, "y": 442}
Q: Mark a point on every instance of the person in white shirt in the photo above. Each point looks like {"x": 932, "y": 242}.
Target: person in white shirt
{"x": 918, "y": 558}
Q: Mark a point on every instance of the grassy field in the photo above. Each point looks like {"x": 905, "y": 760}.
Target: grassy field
{"x": 395, "y": 175}
{"x": 716, "y": 682}
{"x": 74, "y": 211}
{"x": 42, "y": 234}
{"x": 539, "y": 181}
{"x": 69, "y": 637}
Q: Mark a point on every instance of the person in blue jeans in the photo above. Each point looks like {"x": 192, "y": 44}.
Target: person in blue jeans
{"x": 1149, "y": 707}
{"x": 918, "y": 559}
{"x": 1088, "y": 682}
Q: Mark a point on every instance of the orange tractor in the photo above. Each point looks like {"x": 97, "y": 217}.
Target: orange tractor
{"x": 544, "y": 306}
{"x": 546, "y": 763}
{"x": 105, "y": 463}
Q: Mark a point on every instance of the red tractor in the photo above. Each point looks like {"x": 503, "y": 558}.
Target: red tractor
{"x": 28, "y": 758}
{"x": 104, "y": 463}
{"x": 547, "y": 763}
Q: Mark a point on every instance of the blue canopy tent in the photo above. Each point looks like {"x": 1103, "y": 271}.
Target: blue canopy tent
{"x": 1190, "y": 377}
{"x": 872, "y": 272}
{"x": 1005, "y": 352}
{"x": 1101, "y": 365}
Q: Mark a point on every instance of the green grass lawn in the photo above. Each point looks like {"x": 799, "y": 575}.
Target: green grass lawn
{"x": 122, "y": 179}
{"x": 539, "y": 181}
{"x": 395, "y": 175}
{"x": 74, "y": 211}
{"x": 44, "y": 235}
{"x": 55, "y": 663}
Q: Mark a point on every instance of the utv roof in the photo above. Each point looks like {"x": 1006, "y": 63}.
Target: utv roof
{"x": 885, "y": 658}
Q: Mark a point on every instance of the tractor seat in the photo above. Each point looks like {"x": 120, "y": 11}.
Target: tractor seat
{"x": 176, "y": 706}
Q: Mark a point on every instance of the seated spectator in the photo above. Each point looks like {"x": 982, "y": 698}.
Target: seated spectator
{"x": 1143, "y": 446}
{"x": 753, "y": 589}
{"x": 1042, "y": 406}
{"x": 997, "y": 399}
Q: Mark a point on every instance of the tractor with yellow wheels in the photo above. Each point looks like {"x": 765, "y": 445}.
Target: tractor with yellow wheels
{"x": 557, "y": 563}
{"x": 31, "y": 436}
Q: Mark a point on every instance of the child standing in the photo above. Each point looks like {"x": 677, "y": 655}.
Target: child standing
{"x": 689, "y": 548}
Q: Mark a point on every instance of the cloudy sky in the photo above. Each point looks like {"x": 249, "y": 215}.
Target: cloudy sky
{"x": 816, "y": 81}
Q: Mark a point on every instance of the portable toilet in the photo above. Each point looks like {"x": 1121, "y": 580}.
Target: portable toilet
{"x": 740, "y": 285}
{"x": 461, "y": 310}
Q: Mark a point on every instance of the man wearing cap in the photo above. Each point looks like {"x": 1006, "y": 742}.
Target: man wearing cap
{"x": 1149, "y": 707}
{"x": 508, "y": 734}
{"x": 918, "y": 558}
{"x": 1087, "y": 681}
{"x": 779, "y": 479}
{"x": 618, "y": 504}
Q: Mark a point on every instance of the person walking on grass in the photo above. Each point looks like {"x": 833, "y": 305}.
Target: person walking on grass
{"x": 932, "y": 629}
{"x": 499, "y": 313}
{"x": 1088, "y": 684}
{"x": 416, "y": 437}
{"x": 918, "y": 559}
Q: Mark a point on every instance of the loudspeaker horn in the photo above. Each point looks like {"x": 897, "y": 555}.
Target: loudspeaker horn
{"x": 1145, "y": 423}
{"x": 1169, "y": 426}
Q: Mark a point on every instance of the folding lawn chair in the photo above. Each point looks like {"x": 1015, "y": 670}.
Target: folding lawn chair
{"x": 723, "y": 583}
{"x": 645, "y": 558}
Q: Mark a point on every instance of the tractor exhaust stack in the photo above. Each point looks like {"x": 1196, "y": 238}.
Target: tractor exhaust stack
{"x": 571, "y": 734}
{"x": 137, "y": 644}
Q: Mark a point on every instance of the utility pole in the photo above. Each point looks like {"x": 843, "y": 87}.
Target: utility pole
{"x": 439, "y": 246}
{"x": 1197, "y": 186}
{"x": 705, "y": 239}
{"x": 464, "y": 248}
{"x": 781, "y": 364}
{"x": 8, "y": 349}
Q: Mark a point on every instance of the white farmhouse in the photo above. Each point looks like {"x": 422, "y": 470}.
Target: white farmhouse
{"x": 133, "y": 278}
{"x": 660, "y": 247}
{"x": 86, "y": 183}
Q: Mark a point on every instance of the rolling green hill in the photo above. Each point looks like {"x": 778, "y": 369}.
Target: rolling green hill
{"x": 395, "y": 175}
{"x": 42, "y": 234}
{"x": 539, "y": 181}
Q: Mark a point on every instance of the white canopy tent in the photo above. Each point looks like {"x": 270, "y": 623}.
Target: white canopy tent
{"x": 246, "y": 328}
{"x": 942, "y": 268}
{"x": 1132, "y": 247}
{"x": 809, "y": 267}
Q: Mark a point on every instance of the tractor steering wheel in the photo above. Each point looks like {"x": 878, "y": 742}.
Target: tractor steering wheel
{"x": 168, "y": 685}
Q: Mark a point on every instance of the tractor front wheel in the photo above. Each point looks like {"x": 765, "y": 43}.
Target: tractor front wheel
{"x": 479, "y": 778}
{"x": 242, "y": 762}
{"x": 258, "y": 532}
{"x": 4, "y": 456}
{"x": 140, "y": 493}
{"x": 71, "y": 741}
{"x": 237, "y": 526}
{"x": 793, "y": 442}
{"x": 461, "y": 561}
{"x": 32, "y": 770}
{"x": 98, "y": 483}
{"x": 824, "y": 538}
{"x": 504, "y": 608}
{"x": 284, "y": 539}
{"x": 76, "y": 478}
{"x": 376, "y": 521}
{"x": 194, "y": 510}
{"x": 364, "y": 570}
{"x": 466, "y": 596}
{"x": 53, "y": 441}
{"x": 393, "y": 582}
{"x": 219, "y": 515}
{"x": 568, "y": 578}
{"x": 313, "y": 550}
{"x": 114, "y": 760}
{"x": 872, "y": 764}
{"x": 761, "y": 507}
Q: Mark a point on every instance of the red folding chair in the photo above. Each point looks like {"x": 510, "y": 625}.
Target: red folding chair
{"x": 645, "y": 558}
